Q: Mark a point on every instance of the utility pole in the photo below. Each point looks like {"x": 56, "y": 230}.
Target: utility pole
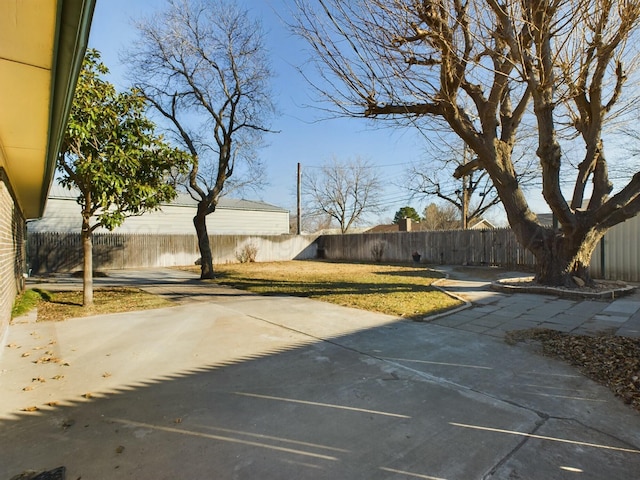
{"x": 464, "y": 197}
{"x": 299, "y": 213}
{"x": 465, "y": 202}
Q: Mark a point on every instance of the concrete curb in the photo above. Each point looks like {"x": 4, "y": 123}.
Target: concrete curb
{"x": 509, "y": 285}
{"x": 466, "y": 304}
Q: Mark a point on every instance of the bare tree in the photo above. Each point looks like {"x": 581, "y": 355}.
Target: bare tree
{"x": 477, "y": 67}
{"x": 310, "y": 223}
{"x": 343, "y": 190}
{"x": 472, "y": 195}
{"x": 203, "y": 66}
{"x": 436, "y": 217}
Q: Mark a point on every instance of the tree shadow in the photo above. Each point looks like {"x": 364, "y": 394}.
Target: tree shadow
{"x": 277, "y": 404}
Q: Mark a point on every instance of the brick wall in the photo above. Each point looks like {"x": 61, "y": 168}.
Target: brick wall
{"x": 12, "y": 252}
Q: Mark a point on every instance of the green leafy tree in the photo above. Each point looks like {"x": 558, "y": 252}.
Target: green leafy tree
{"x": 113, "y": 157}
{"x": 406, "y": 212}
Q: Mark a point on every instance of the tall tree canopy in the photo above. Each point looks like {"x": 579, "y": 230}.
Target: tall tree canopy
{"x": 482, "y": 69}
{"x": 113, "y": 157}
{"x": 406, "y": 212}
{"x": 203, "y": 65}
{"x": 440, "y": 217}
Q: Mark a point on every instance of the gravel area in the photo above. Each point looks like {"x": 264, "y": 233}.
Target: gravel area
{"x": 612, "y": 361}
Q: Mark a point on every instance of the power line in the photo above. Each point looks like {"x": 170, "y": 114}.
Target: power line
{"x": 364, "y": 166}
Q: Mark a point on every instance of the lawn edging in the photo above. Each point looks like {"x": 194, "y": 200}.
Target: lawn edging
{"x": 466, "y": 303}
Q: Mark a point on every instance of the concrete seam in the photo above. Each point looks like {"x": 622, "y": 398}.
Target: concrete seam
{"x": 515, "y": 449}
{"x": 627, "y": 443}
{"x": 416, "y": 373}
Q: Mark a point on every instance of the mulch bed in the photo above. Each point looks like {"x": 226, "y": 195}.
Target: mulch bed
{"x": 612, "y": 361}
{"x": 600, "y": 289}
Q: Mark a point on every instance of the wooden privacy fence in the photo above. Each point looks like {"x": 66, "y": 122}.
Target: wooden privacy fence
{"x": 62, "y": 252}
{"x": 451, "y": 247}
{"x": 617, "y": 258}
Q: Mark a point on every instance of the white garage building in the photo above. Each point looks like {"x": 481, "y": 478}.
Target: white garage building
{"x": 232, "y": 216}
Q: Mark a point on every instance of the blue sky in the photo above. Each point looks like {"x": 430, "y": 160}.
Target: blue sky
{"x": 304, "y": 136}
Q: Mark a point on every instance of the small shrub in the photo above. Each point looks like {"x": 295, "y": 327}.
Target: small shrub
{"x": 377, "y": 251}
{"x": 247, "y": 254}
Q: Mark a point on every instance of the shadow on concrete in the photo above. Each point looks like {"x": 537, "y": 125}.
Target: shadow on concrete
{"x": 402, "y": 400}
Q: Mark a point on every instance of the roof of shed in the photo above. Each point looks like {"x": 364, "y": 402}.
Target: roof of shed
{"x": 183, "y": 200}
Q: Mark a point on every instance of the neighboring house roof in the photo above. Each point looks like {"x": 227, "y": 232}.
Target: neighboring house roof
{"x": 545, "y": 219}
{"x": 42, "y": 46}
{"x": 418, "y": 227}
{"x": 481, "y": 224}
{"x": 394, "y": 227}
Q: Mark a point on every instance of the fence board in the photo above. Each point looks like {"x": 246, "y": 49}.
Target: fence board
{"x": 451, "y": 247}
{"x": 49, "y": 252}
{"x": 62, "y": 252}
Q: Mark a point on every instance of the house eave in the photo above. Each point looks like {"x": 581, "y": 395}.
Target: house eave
{"x": 42, "y": 45}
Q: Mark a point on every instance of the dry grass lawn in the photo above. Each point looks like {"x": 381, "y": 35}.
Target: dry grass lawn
{"x": 62, "y": 305}
{"x": 400, "y": 290}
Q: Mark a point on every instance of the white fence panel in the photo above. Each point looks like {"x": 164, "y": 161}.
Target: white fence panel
{"x": 620, "y": 255}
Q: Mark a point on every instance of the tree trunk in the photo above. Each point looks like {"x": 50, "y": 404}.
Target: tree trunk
{"x": 206, "y": 258}
{"x": 562, "y": 259}
{"x": 87, "y": 274}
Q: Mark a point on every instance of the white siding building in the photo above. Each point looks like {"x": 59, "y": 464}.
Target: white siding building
{"x": 232, "y": 216}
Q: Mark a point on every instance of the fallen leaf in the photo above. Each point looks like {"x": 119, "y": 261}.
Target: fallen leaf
{"x": 119, "y": 449}
{"x": 69, "y": 422}
{"x": 88, "y": 395}
{"x": 28, "y": 388}
{"x": 106, "y": 374}
{"x": 32, "y": 408}
{"x": 48, "y": 359}
{"x": 13, "y": 345}
{"x": 51, "y": 404}
{"x": 177, "y": 420}
{"x": 611, "y": 360}
{"x": 57, "y": 377}
{"x": 38, "y": 379}
{"x": 26, "y": 354}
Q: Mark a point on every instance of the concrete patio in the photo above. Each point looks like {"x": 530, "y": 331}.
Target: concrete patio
{"x": 230, "y": 385}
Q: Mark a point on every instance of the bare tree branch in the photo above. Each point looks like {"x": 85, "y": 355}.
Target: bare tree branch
{"x": 483, "y": 68}
{"x": 343, "y": 190}
{"x": 203, "y": 66}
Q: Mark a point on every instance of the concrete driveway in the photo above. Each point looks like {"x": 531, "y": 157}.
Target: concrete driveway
{"x": 230, "y": 385}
